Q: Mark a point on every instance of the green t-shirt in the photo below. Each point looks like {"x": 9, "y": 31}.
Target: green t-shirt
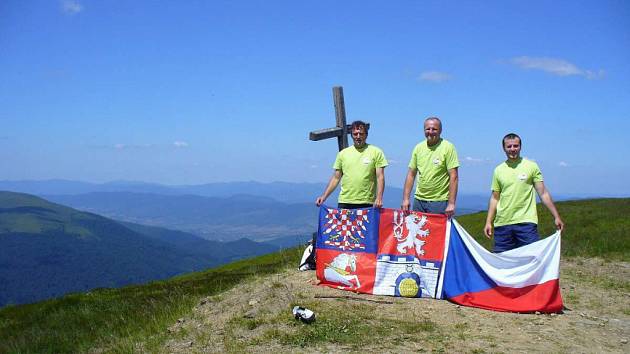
{"x": 517, "y": 200}
{"x": 432, "y": 164}
{"x": 358, "y": 183}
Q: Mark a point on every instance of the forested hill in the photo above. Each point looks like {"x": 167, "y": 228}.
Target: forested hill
{"x": 47, "y": 250}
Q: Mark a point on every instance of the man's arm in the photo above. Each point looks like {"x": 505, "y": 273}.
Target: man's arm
{"x": 411, "y": 177}
{"x": 545, "y": 197}
{"x": 452, "y": 192}
{"x": 380, "y": 187}
{"x": 492, "y": 211}
{"x": 332, "y": 184}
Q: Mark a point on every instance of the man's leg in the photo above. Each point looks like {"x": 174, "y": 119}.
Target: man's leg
{"x": 526, "y": 233}
{"x": 503, "y": 239}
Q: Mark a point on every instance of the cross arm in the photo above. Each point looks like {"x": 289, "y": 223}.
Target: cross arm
{"x": 329, "y": 133}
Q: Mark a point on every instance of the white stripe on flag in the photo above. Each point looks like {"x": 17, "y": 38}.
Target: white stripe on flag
{"x": 532, "y": 264}
{"x": 447, "y": 238}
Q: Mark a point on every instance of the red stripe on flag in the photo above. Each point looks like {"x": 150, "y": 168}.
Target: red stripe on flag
{"x": 543, "y": 297}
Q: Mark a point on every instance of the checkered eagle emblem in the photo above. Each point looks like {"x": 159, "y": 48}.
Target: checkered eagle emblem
{"x": 345, "y": 229}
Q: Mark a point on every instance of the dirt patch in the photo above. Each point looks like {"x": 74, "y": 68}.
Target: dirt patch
{"x": 256, "y": 317}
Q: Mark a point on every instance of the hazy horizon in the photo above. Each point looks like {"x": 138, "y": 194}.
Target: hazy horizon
{"x": 319, "y": 184}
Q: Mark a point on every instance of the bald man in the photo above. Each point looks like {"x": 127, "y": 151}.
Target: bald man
{"x": 435, "y": 163}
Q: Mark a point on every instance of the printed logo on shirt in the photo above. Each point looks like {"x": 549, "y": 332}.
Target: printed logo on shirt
{"x": 436, "y": 161}
{"x": 366, "y": 161}
{"x": 522, "y": 176}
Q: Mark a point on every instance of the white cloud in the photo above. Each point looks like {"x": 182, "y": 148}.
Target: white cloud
{"x": 475, "y": 160}
{"x": 554, "y": 66}
{"x": 594, "y": 75}
{"x": 434, "y": 76}
{"x": 180, "y": 144}
{"x": 563, "y": 164}
{"x": 132, "y": 146}
{"x": 71, "y": 7}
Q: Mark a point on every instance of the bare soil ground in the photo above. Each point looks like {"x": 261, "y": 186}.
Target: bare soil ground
{"x": 256, "y": 317}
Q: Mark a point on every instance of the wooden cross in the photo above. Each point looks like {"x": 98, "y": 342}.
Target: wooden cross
{"x": 341, "y": 130}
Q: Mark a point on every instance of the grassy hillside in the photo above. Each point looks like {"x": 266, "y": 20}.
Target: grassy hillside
{"x": 116, "y": 319}
{"x": 593, "y": 228}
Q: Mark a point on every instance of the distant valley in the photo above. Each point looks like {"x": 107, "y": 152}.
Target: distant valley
{"x": 47, "y": 250}
{"x": 215, "y": 211}
{"x": 225, "y": 219}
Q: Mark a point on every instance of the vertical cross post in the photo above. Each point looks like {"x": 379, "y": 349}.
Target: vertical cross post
{"x": 340, "y": 115}
{"x": 341, "y": 130}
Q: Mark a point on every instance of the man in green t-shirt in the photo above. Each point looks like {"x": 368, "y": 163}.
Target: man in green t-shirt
{"x": 435, "y": 163}
{"x": 361, "y": 170}
{"x": 512, "y": 206}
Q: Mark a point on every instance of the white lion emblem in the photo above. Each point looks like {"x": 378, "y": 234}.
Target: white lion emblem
{"x": 414, "y": 225}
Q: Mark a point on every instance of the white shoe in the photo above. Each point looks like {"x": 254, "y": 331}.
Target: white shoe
{"x": 303, "y": 314}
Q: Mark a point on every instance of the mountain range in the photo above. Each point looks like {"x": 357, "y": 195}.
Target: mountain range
{"x": 286, "y": 192}
{"x": 281, "y": 191}
{"x": 231, "y": 218}
{"x": 215, "y": 211}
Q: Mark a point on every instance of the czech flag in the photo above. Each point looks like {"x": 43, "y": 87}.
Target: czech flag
{"x": 525, "y": 279}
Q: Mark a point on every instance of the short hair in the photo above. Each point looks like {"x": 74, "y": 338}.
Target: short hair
{"x": 359, "y": 124}
{"x": 435, "y": 119}
{"x": 511, "y": 136}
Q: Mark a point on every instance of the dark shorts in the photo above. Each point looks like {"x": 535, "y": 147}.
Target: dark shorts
{"x": 353, "y": 206}
{"x": 431, "y": 207}
{"x": 508, "y": 237}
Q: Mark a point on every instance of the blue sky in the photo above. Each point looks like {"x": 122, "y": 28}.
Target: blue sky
{"x": 189, "y": 92}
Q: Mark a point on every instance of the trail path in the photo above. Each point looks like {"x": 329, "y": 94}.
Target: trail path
{"x": 256, "y": 317}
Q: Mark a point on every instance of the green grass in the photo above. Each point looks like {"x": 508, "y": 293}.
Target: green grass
{"x": 354, "y": 327}
{"x": 604, "y": 281}
{"x": 114, "y": 319}
{"x": 593, "y": 228}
